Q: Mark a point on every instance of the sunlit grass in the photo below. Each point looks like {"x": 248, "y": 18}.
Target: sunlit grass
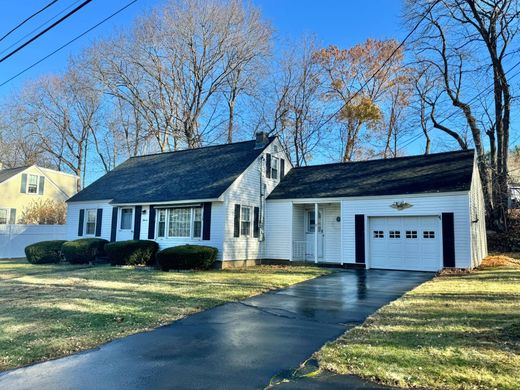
{"x": 47, "y": 311}
{"x": 458, "y": 331}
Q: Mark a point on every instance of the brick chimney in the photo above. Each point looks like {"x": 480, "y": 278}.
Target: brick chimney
{"x": 261, "y": 139}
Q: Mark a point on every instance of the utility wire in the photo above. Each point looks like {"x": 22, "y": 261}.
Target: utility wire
{"x": 397, "y": 48}
{"x": 68, "y": 43}
{"x": 472, "y": 100}
{"x": 40, "y": 26}
{"x": 27, "y": 19}
{"x": 46, "y": 30}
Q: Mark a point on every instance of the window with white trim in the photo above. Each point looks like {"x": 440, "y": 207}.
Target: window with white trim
{"x": 379, "y": 234}
{"x": 428, "y": 234}
{"x": 90, "y": 226}
{"x": 161, "y": 223}
{"x": 245, "y": 221}
{"x": 411, "y": 234}
{"x": 275, "y": 167}
{"x": 197, "y": 222}
{"x": 4, "y": 216}
{"x": 32, "y": 184}
{"x": 394, "y": 234}
{"x": 182, "y": 222}
{"x": 126, "y": 218}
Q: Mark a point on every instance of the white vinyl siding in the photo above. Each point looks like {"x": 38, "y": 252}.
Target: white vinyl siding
{"x": 425, "y": 205}
{"x": 246, "y": 191}
{"x": 73, "y": 218}
{"x": 478, "y": 220}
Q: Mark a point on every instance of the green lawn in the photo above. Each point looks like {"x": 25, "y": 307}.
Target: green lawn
{"x": 47, "y": 311}
{"x": 458, "y": 331}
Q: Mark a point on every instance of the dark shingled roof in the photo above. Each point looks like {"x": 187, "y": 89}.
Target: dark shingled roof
{"x": 441, "y": 172}
{"x": 10, "y": 172}
{"x": 202, "y": 173}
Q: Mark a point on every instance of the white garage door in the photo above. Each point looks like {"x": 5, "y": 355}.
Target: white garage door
{"x": 405, "y": 243}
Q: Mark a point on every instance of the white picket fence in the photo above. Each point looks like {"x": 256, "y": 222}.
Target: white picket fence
{"x": 14, "y": 238}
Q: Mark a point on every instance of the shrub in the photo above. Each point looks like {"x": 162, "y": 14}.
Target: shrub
{"x": 187, "y": 257}
{"x": 84, "y": 250}
{"x": 44, "y": 252}
{"x": 132, "y": 252}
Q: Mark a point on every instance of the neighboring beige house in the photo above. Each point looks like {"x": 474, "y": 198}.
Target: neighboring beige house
{"x": 19, "y": 187}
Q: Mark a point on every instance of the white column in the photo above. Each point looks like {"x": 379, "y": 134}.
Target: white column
{"x": 315, "y": 232}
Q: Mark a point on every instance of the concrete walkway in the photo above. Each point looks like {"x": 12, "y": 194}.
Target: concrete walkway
{"x": 234, "y": 346}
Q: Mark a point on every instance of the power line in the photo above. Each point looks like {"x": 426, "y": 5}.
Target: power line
{"x": 40, "y": 26}
{"x": 68, "y": 43}
{"x": 397, "y": 48}
{"x": 472, "y": 100}
{"x": 27, "y": 19}
{"x": 46, "y": 30}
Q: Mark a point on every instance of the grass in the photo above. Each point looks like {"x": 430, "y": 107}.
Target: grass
{"x": 457, "y": 331}
{"x": 48, "y": 311}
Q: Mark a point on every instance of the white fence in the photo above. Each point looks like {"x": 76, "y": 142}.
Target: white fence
{"x": 14, "y": 238}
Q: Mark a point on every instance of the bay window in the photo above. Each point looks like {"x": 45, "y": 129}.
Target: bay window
{"x": 182, "y": 222}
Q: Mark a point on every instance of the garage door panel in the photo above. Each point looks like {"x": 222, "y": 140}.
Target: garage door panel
{"x": 401, "y": 243}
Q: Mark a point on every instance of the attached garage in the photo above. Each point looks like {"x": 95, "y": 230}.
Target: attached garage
{"x": 405, "y": 243}
{"x": 421, "y": 213}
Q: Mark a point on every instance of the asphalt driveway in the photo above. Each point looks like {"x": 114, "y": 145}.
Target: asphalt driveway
{"x": 234, "y": 346}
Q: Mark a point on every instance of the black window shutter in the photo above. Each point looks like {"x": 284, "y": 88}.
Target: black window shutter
{"x": 137, "y": 222}
{"x": 113, "y": 228}
{"x": 268, "y": 165}
{"x": 282, "y": 168}
{"x": 42, "y": 185}
{"x": 256, "y": 225}
{"x": 99, "y": 222}
{"x": 359, "y": 228}
{"x": 206, "y": 222}
{"x": 151, "y": 223}
{"x": 236, "y": 228}
{"x": 23, "y": 187}
{"x": 448, "y": 240}
{"x": 80, "y": 221}
{"x": 12, "y": 216}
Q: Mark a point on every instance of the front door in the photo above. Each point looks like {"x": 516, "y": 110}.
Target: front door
{"x": 310, "y": 228}
{"x": 125, "y": 229}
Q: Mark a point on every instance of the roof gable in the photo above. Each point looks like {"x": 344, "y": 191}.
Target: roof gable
{"x": 441, "y": 172}
{"x": 203, "y": 173}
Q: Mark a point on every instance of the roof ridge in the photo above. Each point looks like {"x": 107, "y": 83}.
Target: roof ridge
{"x": 387, "y": 159}
{"x": 198, "y": 148}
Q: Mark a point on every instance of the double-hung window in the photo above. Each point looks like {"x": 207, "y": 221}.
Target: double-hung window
{"x": 4, "y": 216}
{"x": 183, "y": 222}
{"x": 245, "y": 221}
{"x": 275, "y": 167}
{"x": 161, "y": 223}
{"x": 90, "y": 226}
{"x": 32, "y": 184}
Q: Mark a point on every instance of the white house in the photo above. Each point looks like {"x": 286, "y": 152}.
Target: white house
{"x": 246, "y": 199}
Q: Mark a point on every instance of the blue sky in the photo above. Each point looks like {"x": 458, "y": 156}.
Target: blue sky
{"x": 340, "y": 22}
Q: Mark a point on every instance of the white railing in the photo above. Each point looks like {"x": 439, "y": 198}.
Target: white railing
{"x": 299, "y": 249}
{"x": 14, "y": 238}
